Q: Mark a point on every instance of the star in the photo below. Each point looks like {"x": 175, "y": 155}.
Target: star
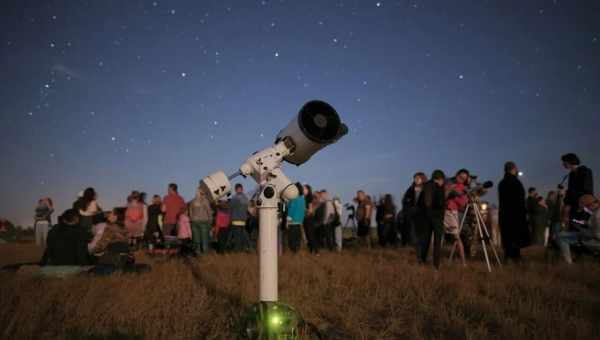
{"x": 183, "y": 74}
{"x": 172, "y": 12}
{"x": 52, "y": 45}
{"x": 215, "y": 123}
{"x": 364, "y": 82}
{"x": 113, "y": 139}
{"x": 154, "y": 4}
{"x": 460, "y": 76}
{"x": 335, "y": 40}
{"x": 378, "y": 4}
{"x": 276, "y": 54}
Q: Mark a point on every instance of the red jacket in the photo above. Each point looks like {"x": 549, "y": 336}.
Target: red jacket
{"x": 173, "y": 204}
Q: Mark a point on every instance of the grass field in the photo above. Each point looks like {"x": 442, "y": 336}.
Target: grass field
{"x": 376, "y": 294}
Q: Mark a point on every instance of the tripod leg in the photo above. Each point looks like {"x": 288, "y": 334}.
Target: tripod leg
{"x": 488, "y": 236}
{"x": 479, "y": 222}
{"x": 462, "y": 222}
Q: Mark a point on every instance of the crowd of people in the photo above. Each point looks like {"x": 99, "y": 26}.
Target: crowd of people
{"x": 433, "y": 211}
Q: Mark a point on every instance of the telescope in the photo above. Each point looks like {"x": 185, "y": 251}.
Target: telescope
{"x": 316, "y": 126}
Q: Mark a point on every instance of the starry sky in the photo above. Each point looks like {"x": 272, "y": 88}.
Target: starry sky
{"x": 124, "y": 95}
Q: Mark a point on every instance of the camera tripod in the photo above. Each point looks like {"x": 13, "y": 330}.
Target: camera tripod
{"x": 351, "y": 223}
{"x": 482, "y": 229}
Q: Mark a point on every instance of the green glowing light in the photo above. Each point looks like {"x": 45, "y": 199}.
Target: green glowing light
{"x": 275, "y": 320}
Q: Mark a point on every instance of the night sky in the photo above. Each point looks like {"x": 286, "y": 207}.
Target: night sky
{"x": 124, "y": 95}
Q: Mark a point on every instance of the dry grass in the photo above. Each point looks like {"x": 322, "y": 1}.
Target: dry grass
{"x": 378, "y": 294}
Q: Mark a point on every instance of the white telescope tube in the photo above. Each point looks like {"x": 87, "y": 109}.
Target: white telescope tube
{"x": 268, "y": 256}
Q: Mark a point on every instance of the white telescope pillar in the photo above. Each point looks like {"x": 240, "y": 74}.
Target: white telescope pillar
{"x": 267, "y": 252}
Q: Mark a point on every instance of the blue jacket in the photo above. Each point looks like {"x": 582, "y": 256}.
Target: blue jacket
{"x": 296, "y": 209}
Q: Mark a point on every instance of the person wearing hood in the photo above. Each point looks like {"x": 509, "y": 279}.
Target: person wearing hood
{"x": 512, "y": 215}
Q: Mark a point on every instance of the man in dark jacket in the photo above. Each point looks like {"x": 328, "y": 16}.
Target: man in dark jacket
{"x": 581, "y": 182}
{"x": 67, "y": 243}
{"x": 512, "y": 215}
{"x": 432, "y": 205}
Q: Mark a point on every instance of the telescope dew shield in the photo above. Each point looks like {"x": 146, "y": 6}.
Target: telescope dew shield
{"x": 215, "y": 186}
{"x": 316, "y": 126}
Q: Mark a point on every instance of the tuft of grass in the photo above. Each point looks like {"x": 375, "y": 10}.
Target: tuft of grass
{"x": 369, "y": 294}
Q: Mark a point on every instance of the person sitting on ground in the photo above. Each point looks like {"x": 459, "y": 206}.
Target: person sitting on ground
{"x": 67, "y": 243}
{"x": 113, "y": 232}
{"x": 587, "y": 233}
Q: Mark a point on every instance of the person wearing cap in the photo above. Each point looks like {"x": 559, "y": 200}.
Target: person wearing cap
{"x": 432, "y": 204}
{"x": 587, "y": 233}
{"x": 581, "y": 182}
{"x": 512, "y": 214}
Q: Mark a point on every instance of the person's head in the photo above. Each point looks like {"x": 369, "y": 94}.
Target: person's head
{"x": 388, "y": 200}
{"x": 570, "y": 161}
{"x": 133, "y": 197}
{"x": 438, "y": 177}
{"x": 511, "y": 168}
{"x": 462, "y": 176}
{"x": 360, "y": 196}
{"x": 239, "y": 188}
{"x": 156, "y": 199}
{"x": 589, "y": 201}
{"x": 70, "y": 217}
{"x": 324, "y": 195}
{"x": 532, "y": 191}
{"x": 116, "y": 216}
{"x": 143, "y": 197}
{"x": 172, "y": 188}
{"x": 419, "y": 178}
{"x": 89, "y": 195}
{"x": 307, "y": 190}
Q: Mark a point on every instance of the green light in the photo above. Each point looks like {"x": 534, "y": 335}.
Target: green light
{"x": 275, "y": 320}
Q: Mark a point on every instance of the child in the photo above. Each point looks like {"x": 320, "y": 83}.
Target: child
{"x": 135, "y": 218}
{"x": 184, "y": 233}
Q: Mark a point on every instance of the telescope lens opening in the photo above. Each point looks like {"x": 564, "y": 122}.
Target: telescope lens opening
{"x": 319, "y": 122}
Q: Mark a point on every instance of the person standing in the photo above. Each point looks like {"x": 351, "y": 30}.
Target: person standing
{"x": 364, "y": 213}
{"x": 581, "y": 182}
{"x": 337, "y": 223}
{"x": 554, "y": 204}
{"x": 238, "y": 206}
{"x": 43, "y": 220}
{"x": 432, "y": 203}
{"x": 154, "y": 233}
{"x": 410, "y": 211}
{"x": 295, "y": 218}
{"x": 539, "y": 221}
{"x": 172, "y": 206}
{"x": 201, "y": 214}
{"x": 136, "y": 217}
{"x": 309, "y": 225}
{"x": 512, "y": 215}
{"x": 457, "y": 201}
{"x": 388, "y": 220}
